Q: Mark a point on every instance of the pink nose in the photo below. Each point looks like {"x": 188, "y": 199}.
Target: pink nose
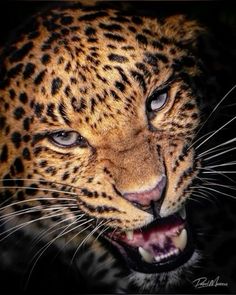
{"x": 145, "y": 197}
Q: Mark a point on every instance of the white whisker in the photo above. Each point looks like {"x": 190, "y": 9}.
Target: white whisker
{"x": 87, "y": 238}
{"x": 211, "y": 171}
{"x": 45, "y": 247}
{"x": 220, "y": 165}
{"x": 202, "y": 195}
{"x": 52, "y": 229}
{"x": 198, "y": 139}
{"x": 202, "y": 157}
{"x": 41, "y": 181}
{"x": 78, "y": 233}
{"x": 222, "y": 172}
{"x": 212, "y": 112}
{"x": 12, "y": 230}
{"x": 202, "y": 191}
{"x": 33, "y": 209}
{"x": 61, "y": 234}
{"x": 205, "y": 178}
{"x": 192, "y": 199}
{"x": 221, "y": 185}
{"x": 11, "y": 215}
{"x": 219, "y": 154}
{"x": 38, "y": 188}
{"x": 216, "y": 191}
{"x": 102, "y": 231}
{"x": 8, "y": 199}
{"x": 38, "y": 199}
{"x": 215, "y": 132}
{"x": 216, "y": 147}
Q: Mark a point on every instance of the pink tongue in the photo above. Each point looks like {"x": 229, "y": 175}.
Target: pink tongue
{"x": 156, "y": 240}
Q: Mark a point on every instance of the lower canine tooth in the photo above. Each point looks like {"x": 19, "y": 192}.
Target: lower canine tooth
{"x": 180, "y": 241}
{"x": 129, "y": 235}
{"x": 145, "y": 255}
{"x": 158, "y": 258}
{"x": 176, "y": 251}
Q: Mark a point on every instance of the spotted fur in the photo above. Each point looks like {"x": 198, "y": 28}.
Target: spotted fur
{"x": 93, "y": 71}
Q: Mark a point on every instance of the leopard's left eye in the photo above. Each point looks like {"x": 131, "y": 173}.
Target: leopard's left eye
{"x": 157, "y": 101}
{"x": 67, "y": 139}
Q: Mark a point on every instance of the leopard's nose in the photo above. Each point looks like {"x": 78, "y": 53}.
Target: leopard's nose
{"x": 146, "y": 197}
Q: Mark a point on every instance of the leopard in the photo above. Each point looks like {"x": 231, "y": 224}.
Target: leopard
{"x": 98, "y": 116}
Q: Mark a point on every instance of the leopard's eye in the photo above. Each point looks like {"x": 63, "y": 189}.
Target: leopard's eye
{"x": 67, "y": 139}
{"x": 157, "y": 101}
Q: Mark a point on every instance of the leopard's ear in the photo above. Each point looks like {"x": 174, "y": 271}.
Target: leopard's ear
{"x": 183, "y": 30}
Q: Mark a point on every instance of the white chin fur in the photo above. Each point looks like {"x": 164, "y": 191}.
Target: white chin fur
{"x": 165, "y": 280}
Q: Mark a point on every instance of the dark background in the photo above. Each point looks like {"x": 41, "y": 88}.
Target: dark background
{"x": 214, "y": 219}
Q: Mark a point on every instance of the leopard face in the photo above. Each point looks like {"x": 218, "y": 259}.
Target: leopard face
{"x": 98, "y": 115}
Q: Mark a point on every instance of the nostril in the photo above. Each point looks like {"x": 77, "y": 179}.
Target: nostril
{"x": 145, "y": 198}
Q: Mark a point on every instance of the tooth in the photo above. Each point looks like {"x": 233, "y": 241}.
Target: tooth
{"x": 145, "y": 255}
{"x": 180, "y": 241}
{"x": 182, "y": 212}
{"x": 157, "y": 258}
{"x": 129, "y": 235}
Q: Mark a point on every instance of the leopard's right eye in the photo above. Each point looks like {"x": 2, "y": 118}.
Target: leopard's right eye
{"x": 67, "y": 139}
{"x": 157, "y": 100}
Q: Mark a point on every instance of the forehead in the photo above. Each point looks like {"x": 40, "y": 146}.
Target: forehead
{"x": 103, "y": 45}
{"x": 94, "y": 66}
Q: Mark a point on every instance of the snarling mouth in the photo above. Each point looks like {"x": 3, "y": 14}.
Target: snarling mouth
{"x": 163, "y": 245}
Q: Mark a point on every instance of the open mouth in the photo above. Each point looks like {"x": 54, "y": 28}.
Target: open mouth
{"x": 163, "y": 245}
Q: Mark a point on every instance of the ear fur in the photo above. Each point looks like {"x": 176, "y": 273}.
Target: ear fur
{"x": 183, "y": 30}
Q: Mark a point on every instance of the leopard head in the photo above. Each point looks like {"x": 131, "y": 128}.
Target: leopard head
{"x": 98, "y": 114}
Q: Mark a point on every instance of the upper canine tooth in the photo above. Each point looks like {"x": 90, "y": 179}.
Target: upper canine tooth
{"x": 182, "y": 212}
{"x": 129, "y": 235}
{"x": 180, "y": 241}
{"x": 145, "y": 254}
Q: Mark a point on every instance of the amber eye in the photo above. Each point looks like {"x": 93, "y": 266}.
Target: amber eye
{"x": 67, "y": 139}
{"x": 157, "y": 100}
